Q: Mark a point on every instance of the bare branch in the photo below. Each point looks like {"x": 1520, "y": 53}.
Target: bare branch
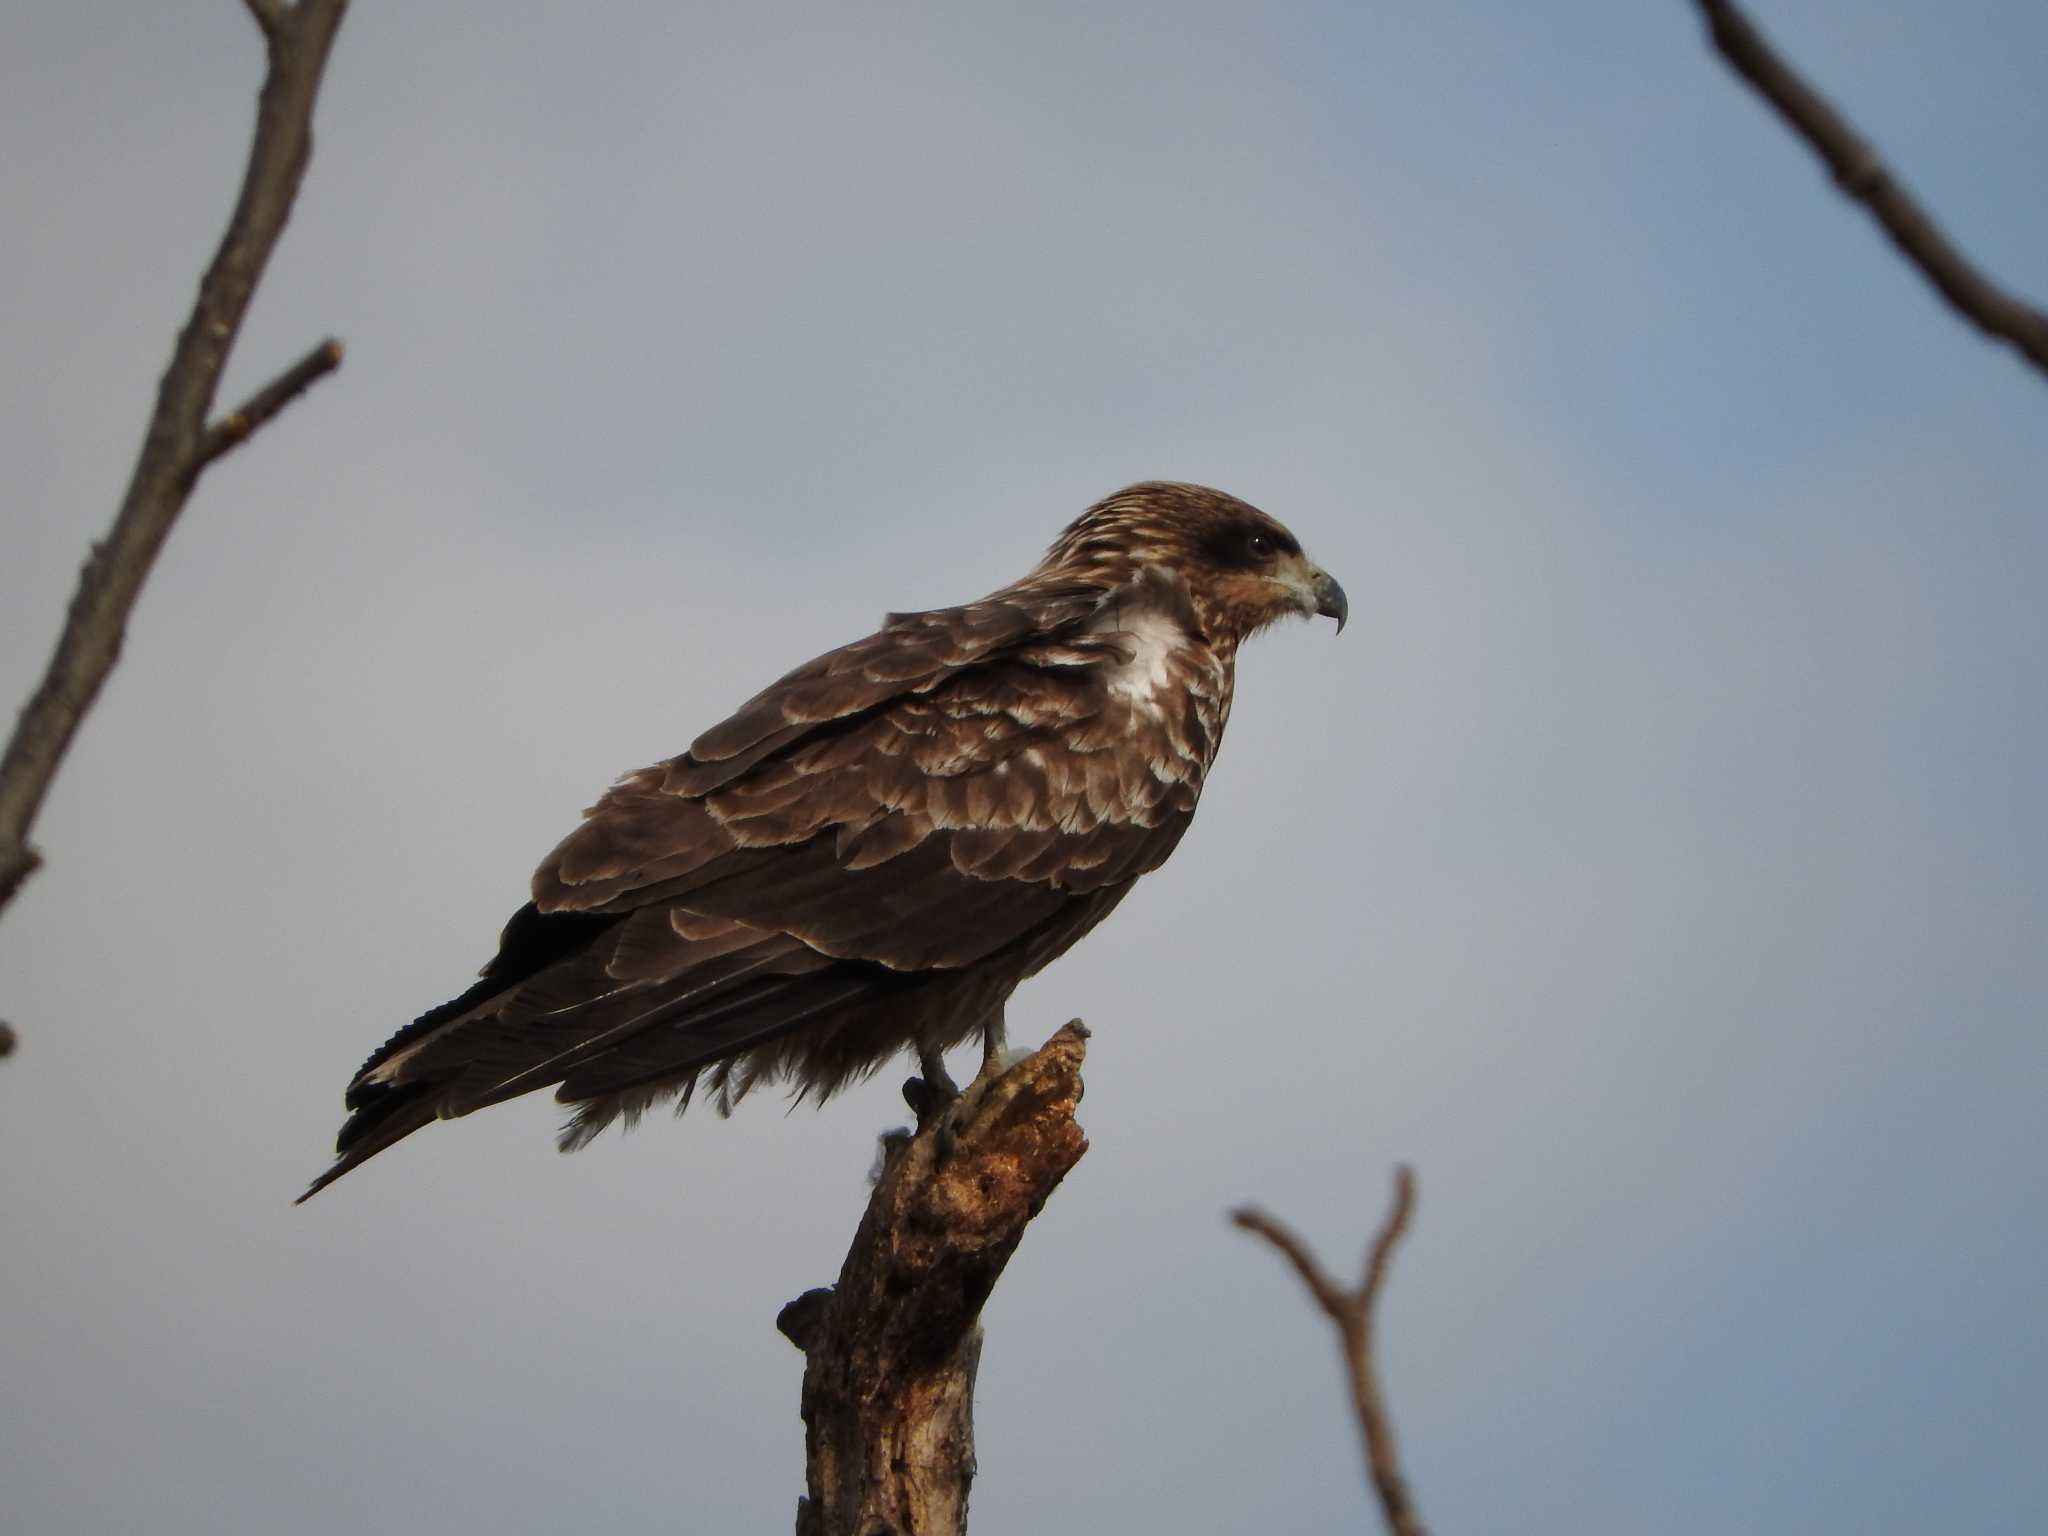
{"x": 892, "y": 1350}
{"x": 270, "y": 15}
{"x": 17, "y": 862}
{"x": 1394, "y": 1229}
{"x": 1864, "y": 177}
{"x": 239, "y": 425}
{"x": 1377, "y": 1423}
{"x": 177, "y": 445}
{"x": 1329, "y": 1295}
{"x": 1352, "y": 1312}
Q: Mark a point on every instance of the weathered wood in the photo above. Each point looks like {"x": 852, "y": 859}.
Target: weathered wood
{"x": 891, "y": 1350}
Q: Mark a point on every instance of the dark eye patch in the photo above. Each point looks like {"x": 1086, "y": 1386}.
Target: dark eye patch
{"x": 1247, "y": 544}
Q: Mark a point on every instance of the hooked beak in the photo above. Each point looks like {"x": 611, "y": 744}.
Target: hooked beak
{"x": 1330, "y": 600}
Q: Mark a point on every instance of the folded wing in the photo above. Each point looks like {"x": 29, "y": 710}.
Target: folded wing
{"x": 875, "y": 849}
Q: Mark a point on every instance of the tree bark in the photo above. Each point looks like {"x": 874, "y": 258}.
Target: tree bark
{"x": 891, "y": 1350}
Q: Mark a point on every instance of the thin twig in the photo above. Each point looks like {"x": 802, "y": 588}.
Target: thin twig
{"x": 17, "y": 862}
{"x": 241, "y": 424}
{"x": 1352, "y": 1312}
{"x": 1864, "y": 177}
{"x": 1329, "y": 1295}
{"x": 178, "y": 444}
{"x": 270, "y": 15}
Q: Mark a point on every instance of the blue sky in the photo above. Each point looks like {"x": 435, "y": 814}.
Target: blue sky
{"x": 1657, "y": 862}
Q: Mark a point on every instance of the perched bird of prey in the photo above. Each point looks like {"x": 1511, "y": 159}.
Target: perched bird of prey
{"x": 872, "y": 853}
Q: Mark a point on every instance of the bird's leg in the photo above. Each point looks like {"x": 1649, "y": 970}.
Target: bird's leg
{"x": 932, "y": 1063}
{"x": 995, "y": 1045}
{"x": 935, "y": 1091}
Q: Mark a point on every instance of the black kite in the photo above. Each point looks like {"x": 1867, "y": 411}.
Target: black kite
{"x": 871, "y": 854}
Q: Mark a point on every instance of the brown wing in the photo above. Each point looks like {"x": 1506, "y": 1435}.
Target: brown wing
{"x": 957, "y": 791}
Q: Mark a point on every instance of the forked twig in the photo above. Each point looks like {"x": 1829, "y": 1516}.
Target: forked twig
{"x": 178, "y": 444}
{"x": 1352, "y": 1312}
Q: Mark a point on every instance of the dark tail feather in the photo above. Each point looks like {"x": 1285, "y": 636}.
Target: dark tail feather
{"x": 379, "y": 1123}
{"x": 532, "y": 941}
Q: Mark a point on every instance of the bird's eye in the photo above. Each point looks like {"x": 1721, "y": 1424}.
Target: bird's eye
{"x": 1259, "y": 546}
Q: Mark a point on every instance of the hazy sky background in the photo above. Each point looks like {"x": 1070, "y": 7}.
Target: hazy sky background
{"x": 1658, "y": 861}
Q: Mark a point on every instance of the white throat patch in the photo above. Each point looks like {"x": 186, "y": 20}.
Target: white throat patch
{"x": 1152, "y": 637}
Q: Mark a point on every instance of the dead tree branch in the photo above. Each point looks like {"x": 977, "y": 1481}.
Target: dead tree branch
{"x": 179, "y": 444}
{"x": 243, "y": 423}
{"x": 1865, "y": 178}
{"x": 270, "y": 15}
{"x": 1352, "y": 1312}
{"x": 891, "y": 1350}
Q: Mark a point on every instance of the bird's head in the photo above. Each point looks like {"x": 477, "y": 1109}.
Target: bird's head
{"x": 1243, "y": 569}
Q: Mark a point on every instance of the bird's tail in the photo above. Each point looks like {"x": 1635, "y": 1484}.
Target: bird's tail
{"x": 381, "y": 1122}
{"x": 613, "y": 1046}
